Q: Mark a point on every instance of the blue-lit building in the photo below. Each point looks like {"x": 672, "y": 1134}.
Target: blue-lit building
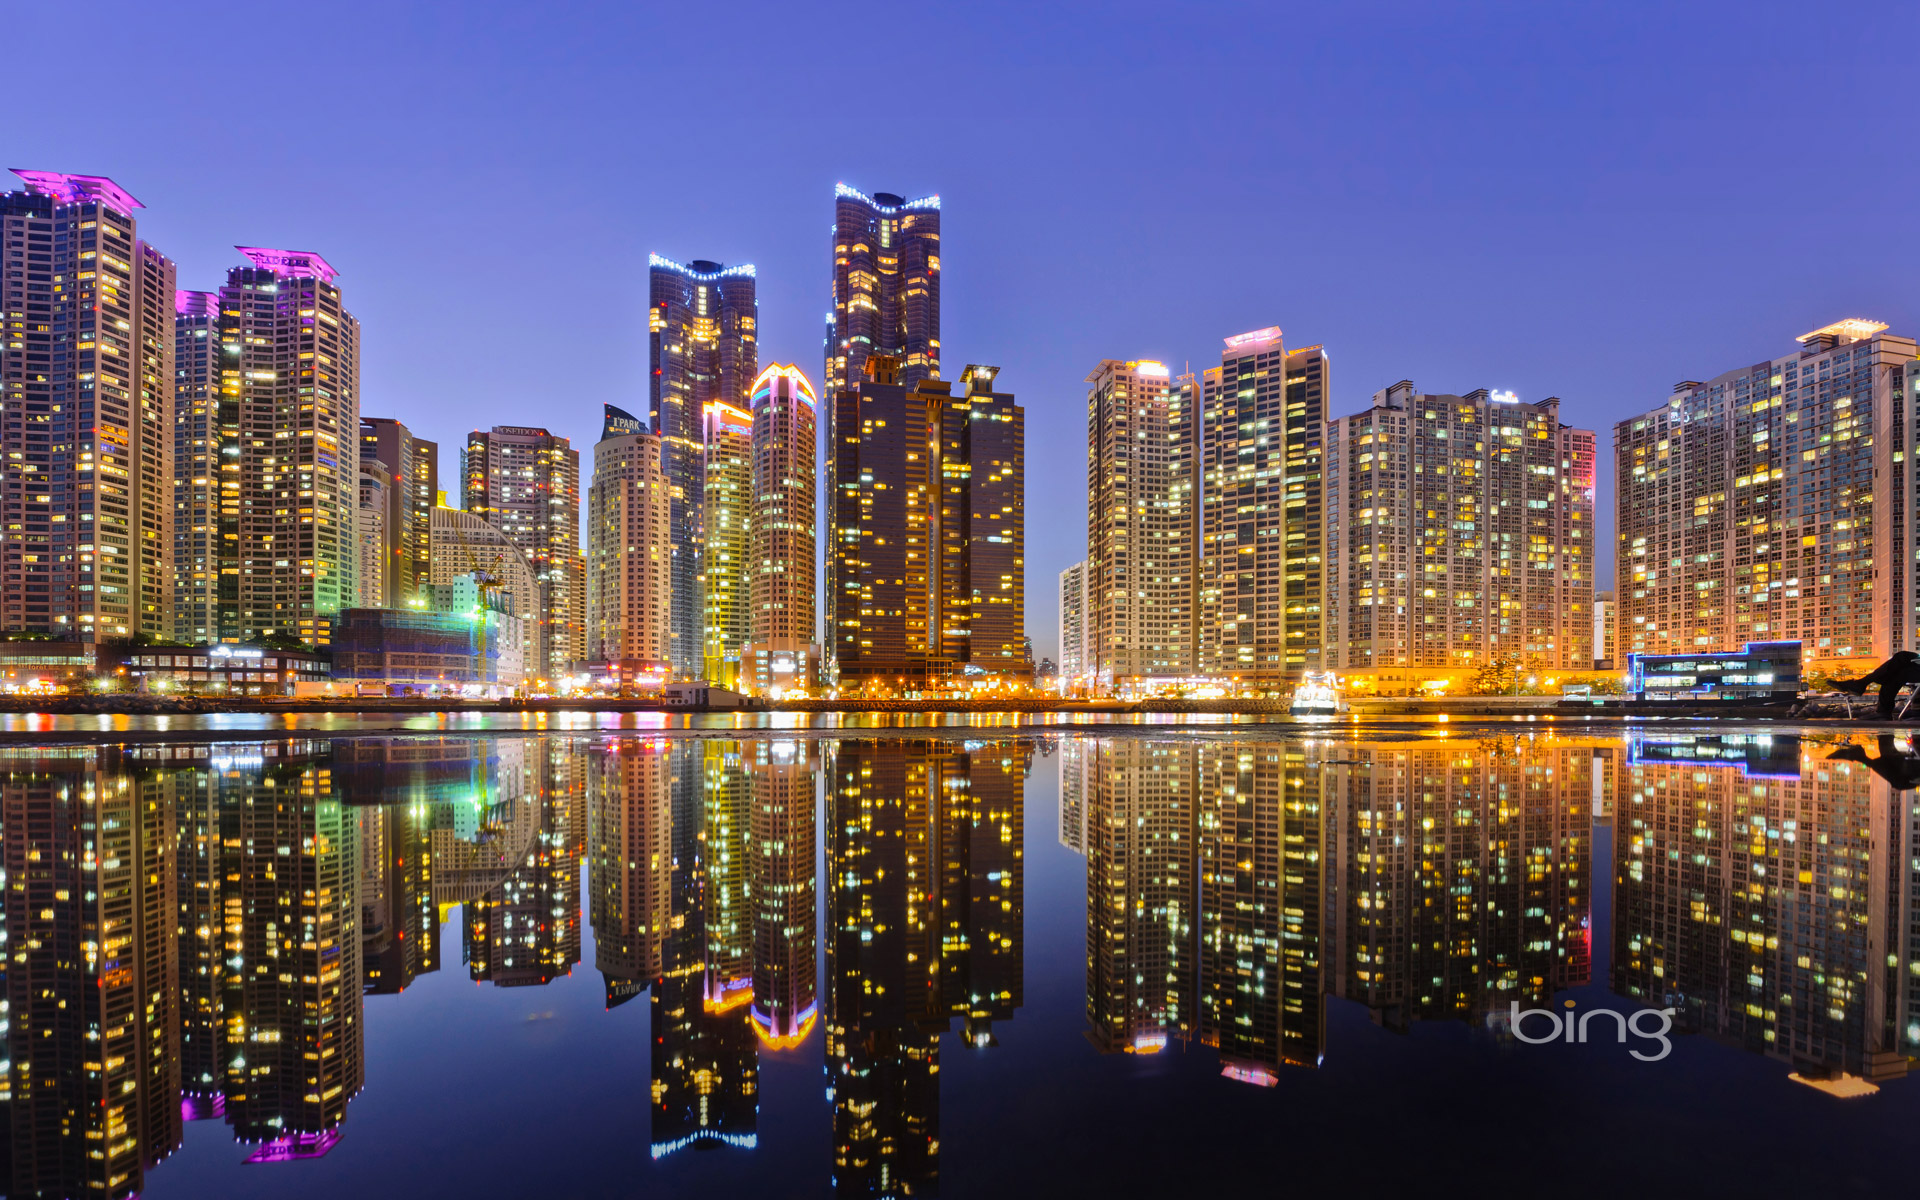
{"x": 462, "y": 640}
{"x": 1760, "y": 672}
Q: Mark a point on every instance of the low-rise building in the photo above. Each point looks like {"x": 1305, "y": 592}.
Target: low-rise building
{"x": 459, "y": 641}
{"x": 43, "y": 666}
{"x": 226, "y": 669}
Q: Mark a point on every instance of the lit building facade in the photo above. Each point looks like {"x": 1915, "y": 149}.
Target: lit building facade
{"x": 1140, "y": 526}
{"x": 525, "y": 482}
{"x": 926, "y": 568}
{"x": 463, "y": 543}
{"x": 886, "y": 286}
{"x": 1771, "y": 502}
{"x": 413, "y": 467}
{"x": 1459, "y": 534}
{"x": 371, "y": 545}
{"x": 784, "y": 650}
{"x": 88, "y": 391}
{"x": 1261, "y": 585}
{"x": 291, "y": 361}
{"x": 703, "y": 344}
{"x": 727, "y": 544}
{"x": 206, "y": 477}
{"x": 1074, "y": 621}
{"x": 629, "y": 552}
{"x": 1605, "y": 610}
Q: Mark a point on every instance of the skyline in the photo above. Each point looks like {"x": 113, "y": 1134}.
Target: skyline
{"x": 1470, "y": 203}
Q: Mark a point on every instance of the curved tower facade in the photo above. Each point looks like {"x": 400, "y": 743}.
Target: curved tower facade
{"x": 886, "y": 286}
{"x": 783, "y": 652}
{"x": 702, "y": 337}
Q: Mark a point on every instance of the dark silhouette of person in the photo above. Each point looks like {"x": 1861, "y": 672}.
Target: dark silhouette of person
{"x": 1900, "y": 670}
{"x": 1902, "y": 771}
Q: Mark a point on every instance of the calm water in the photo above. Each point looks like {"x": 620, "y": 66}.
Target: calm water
{"x": 1038, "y": 962}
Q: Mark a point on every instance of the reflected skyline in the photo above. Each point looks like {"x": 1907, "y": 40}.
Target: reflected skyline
{"x": 219, "y": 916}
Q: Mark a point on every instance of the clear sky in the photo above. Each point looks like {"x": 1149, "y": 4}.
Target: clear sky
{"x": 1588, "y": 201}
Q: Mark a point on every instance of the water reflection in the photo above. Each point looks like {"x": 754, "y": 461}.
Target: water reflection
{"x": 191, "y": 930}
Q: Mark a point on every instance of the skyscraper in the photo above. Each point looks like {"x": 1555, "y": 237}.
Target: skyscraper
{"x": 1260, "y": 586}
{"x": 1074, "y": 620}
{"x": 291, "y": 361}
{"x": 1459, "y": 533}
{"x": 413, "y": 464}
{"x": 886, "y": 286}
{"x": 784, "y": 650}
{"x": 728, "y": 541}
{"x": 1773, "y": 502}
{"x": 629, "y": 552}
{"x": 926, "y": 571}
{"x": 206, "y": 477}
{"x": 1140, "y": 526}
{"x": 525, "y": 482}
{"x": 87, "y": 385}
{"x": 372, "y": 546}
{"x": 702, "y": 337}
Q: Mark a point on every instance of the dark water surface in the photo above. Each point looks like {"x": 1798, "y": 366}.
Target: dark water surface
{"x": 595, "y": 962}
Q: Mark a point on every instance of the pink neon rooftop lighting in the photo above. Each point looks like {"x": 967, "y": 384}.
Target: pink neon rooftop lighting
{"x": 290, "y": 264}
{"x": 72, "y": 189}
{"x": 195, "y": 304}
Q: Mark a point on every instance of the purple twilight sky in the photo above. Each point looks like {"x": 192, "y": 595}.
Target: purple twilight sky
{"x": 1591, "y": 202}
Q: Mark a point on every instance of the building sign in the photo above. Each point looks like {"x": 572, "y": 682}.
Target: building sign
{"x": 620, "y": 422}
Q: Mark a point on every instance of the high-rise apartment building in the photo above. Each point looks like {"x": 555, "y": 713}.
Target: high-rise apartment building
{"x": 1075, "y": 618}
{"x": 1261, "y": 586}
{"x": 784, "y": 649}
{"x": 629, "y": 551}
{"x": 525, "y": 482}
{"x": 413, "y": 465}
{"x": 1140, "y": 526}
{"x": 1773, "y": 502}
{"x": 886, "y": 286}
{"x": 372, "y": 546}
{"x": 926, "y": 568}
{"x": 1459, "y": 534}
{"x": 87, "y": 388}
{"x": 291, "y": 360}
{"x": 703, "y": 344}
{"x": 727, "y": 545}
{"x": 206, "y": 477}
